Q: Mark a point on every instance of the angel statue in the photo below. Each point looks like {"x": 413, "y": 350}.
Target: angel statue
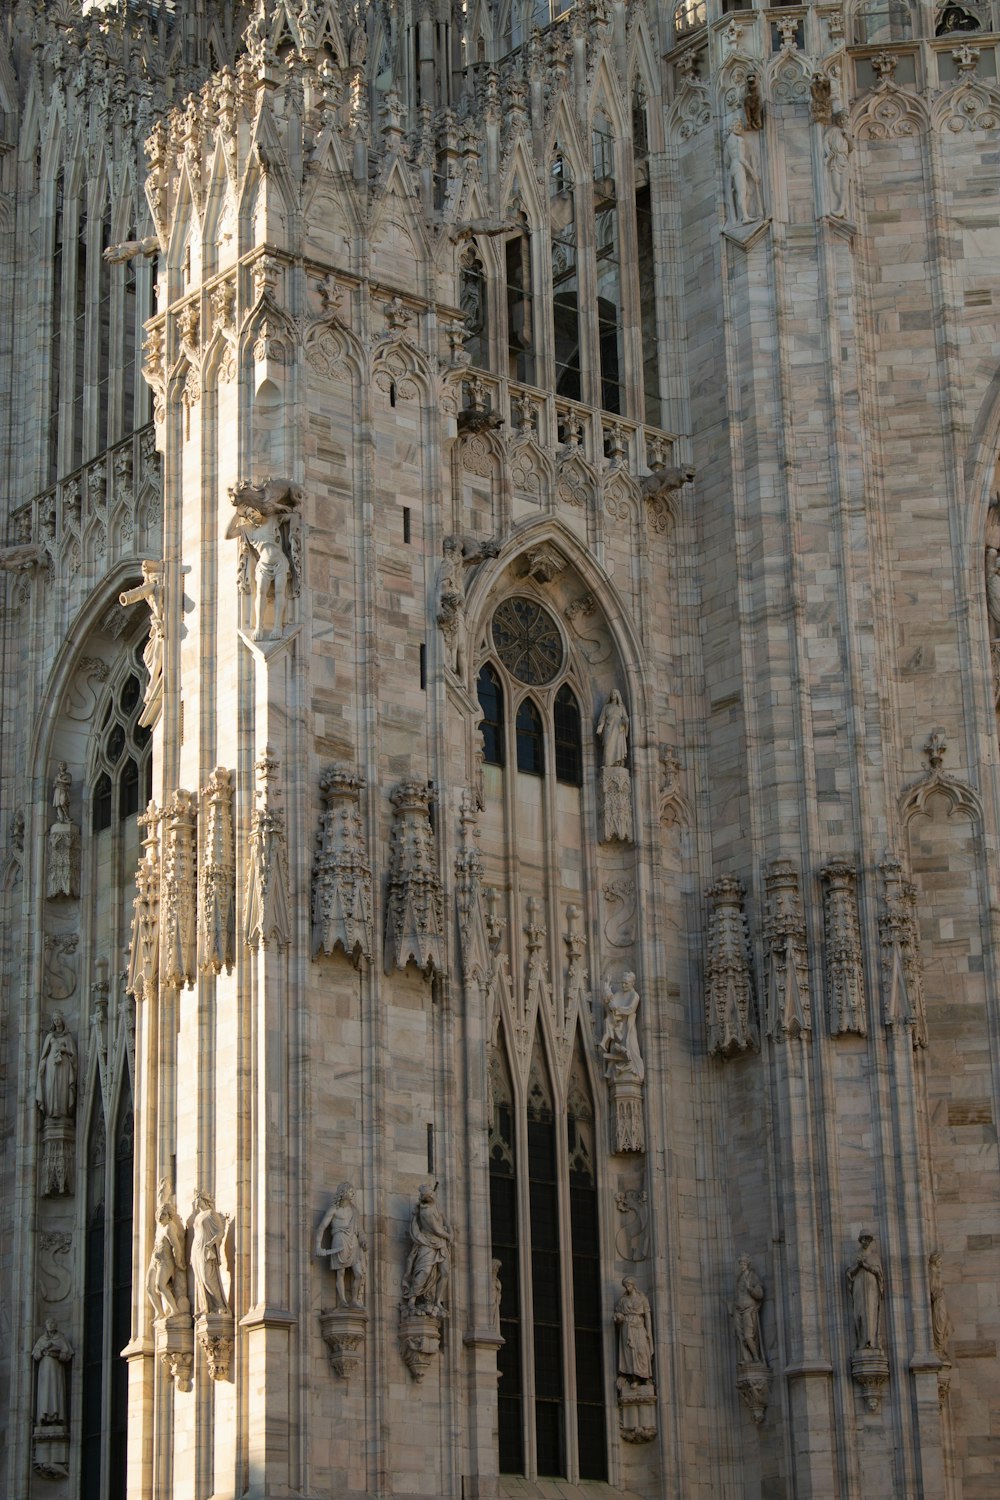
{"x": 269, "y": 546}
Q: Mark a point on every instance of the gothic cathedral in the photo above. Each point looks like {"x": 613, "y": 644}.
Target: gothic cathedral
{"x": 500, "y": 782}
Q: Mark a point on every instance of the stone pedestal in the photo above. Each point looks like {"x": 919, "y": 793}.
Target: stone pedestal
{"x": 63, "y": 865}
{"x": 215, "y": 1335}
{"x": 754, "y": 1385}
{"x": 175, "y": 1348}
{"x": 58, "y": 1157}
{"x": 870, "y": 1371}
{"x": 419, "y": 1341}
{"x": 50, "y": 1451}
{"x": 616, "y": 805}
{"x": 343, "y": 1330}
{"x": 628, "y": 1132}
{"x": 636, "y": 1411}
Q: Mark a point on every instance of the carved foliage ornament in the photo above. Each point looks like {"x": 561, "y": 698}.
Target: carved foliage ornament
{"x": 342, "y": 878}
{"x": 788, "y": 1000}
{"x": 414, "y": 903}
{"x": 267, "y": 896}
{"x": 144, "y": 948}
{"x": 730, "y": 1011}
{"x": 902, "y": 974}
{"x": 178, "y": 899}
{"x": 845, "y": 977}
{"x": 217, "y": 906}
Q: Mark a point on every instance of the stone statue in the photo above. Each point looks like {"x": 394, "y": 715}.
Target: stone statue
{"x": 52, "y": 1353}
{"x": 746, "y": 1314}
{"x": 150, "y": 591}
{"x": 458, "y": 553}
{"x": 55, "y": 1088}
{"x": 165, "y": 1281}
{"x": 742, "y": 182}
{"x": 348, "y": 1247}
{"x": 993, "y": 591}
{"x": 262, "y": 521}
{"x": 821, "y": 99}
{"x": 837, "y": 156}
{"x": 209, "y": 1229}
{"x": 428, "y": 1265}
{"x": 612, "y": 731}
{"x": 620, "y": 1040}
{"x": 61, "y": 788}
{"x": 635, "y": 1335}
{"x": 496, "y": 1293}
{"x": 753, "y": 104}
{"x": 941, "y": 1327}
{"x": 866, "y": 1284}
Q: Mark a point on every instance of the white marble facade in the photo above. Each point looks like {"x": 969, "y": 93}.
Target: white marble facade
{"x": 500, "y": 794}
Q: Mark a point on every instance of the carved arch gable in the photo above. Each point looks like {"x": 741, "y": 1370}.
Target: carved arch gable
{"x": 888, "y": 113}
{"x": 967, "y": 106}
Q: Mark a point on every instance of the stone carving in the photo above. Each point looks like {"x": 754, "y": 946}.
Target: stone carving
{"x": 674, "y": 808}
{"x": 753, "y": 104}
{"x": 820, "y": 99}
{"x": 993, "y": 610}
{"x": 50, "y": 1436}
{"x": 632, "y": 1239}
{"x": 144, "y": 947}
{"x": 150, "y": 592}
{"x": 55, "y": 1096}
{"x": 866, "y": 1284}
{"x": 636, "y": 1388}
{"x": 425, "y": 1283}
{"x": 459, "y": 553}
{"x": 214, "y": 1320}
{"x": 623, "y": 1065}
{"x": 267, "y": 899}
{"x": 347, "y": 1250}
{"x": 54, "y": 1274}
{"x": 63, "y": 866}
{"x": 616, "y": 787}
{"x": 22, "y": 559}
{"x": 217, "y": 878}
{"x": 845, "y": 975}
{"x": 902, "y": 974}
{"x": 742, "y": 181}
{"x": 752, "y": 1371}
{"x": 574, "y": 983}
{"x": 178, "y": 892}
{"x": 496, "y": 1294}
{"x": 414, "y": 901}
{"x": 941, "y": 1327}
{"x": 788, "y": 1001}
{"x": 837, "y": 150}
{"x": 60, "y": 964}
{"x": 730, "y": 1011}
{"x": 166, "y": 1284}
{"x": 342, "y": 877}
{"x": 270, "y": 563}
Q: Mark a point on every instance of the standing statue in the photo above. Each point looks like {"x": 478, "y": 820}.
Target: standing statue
{"x": 348, "y": 1247}
{"x": 620, "y": 1040}
{"x": 61, "y": 788}
{"x": 867, "y": 1286}
{"x": 458, "y": 553}
{"x": 753, "y": 104}
{"x": 742, "y": 182}
{"x": 55, "y": 1087}
{"x": 612, "y": 731}
{"x": 993, "y": 591}
{"x": 209, "y": 1228}
{"x": 62, "y": 876}
{"x": 635, "y": 1335}
{"x": 496, "y": 1294}
{"x": 837, "y": 156}
{"x": 150, "y": 591}
{"x": 428, "y": 1265}
{"x": 165, "y": 1281}
{"x": 941, "y": 1328}
{"x": 269, "y": 547}
{"x": 52, "y": 1353}
{"x": 746, "y": 1314}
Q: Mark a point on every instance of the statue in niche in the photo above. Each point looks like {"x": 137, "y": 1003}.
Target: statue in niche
{"x": 496, "y": 1294}
{"x": 52, "y": 1353}
{"x": 635, "y": 1334}
{"x": 837, "y": 156}
{"x": 150, "y": 591}
{"x": 620, "y": 1040}
{"x": 458, "y": 553}
{"x": 753, "y": 104}
{"x": 746, "y": 1313}
{"x": 63, "y": 868}
{"x": 347, "y": 1251}
{"x": 209, "y": 1229}
{"x": 166, "y": 1286}
{"x": 867, "y": 1287}
{"x": 742, "y": 182}
{"x": 612, "y": 731}
{"x": 428, "y": 1265}
{"x": 268, "y": 548}
{"x": 941, "y": 1327}
{"x": 55, "y": 1088}
{"x": 821, "y": 99}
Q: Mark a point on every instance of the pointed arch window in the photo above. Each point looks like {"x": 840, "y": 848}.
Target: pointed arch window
{"x": 490, "y": 693}
{"x": 104, "y": 273}
{"x": 530, "y": 738}
{"x": 123, "y": 760}
{"x": 565, "y": 278}
{"x": 645, "y": 260}
{"x": 568, "y": 737}
{"x": 55, "y": 336}
{"x": 546, "y": 1272}
{"x": 472, "y": 301}
{"x": 506, "y": 1267}
{"x": 608, "y": 252}
{"x": 588, "y": 1334}
{"x": 79, "y": 332}
{"x": 520, "y": 306}
{"x": 92, "y": 1413}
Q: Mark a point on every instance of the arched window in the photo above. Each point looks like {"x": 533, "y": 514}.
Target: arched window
{"x": 689, "y": 15}
{"x": 530, "y": 739}
{"x": 588, "y": 1335}
{"x": 546, "y": 1271}
{"x": 608, "y": 251}
{"x": 879, "y": 21}
{"x": 951, "y": 18}
{"x": 504, "y": 1238}
{"x": 129, "y": 349}
{"x": 568, "y": 739}
{"x": 79, "y": 332}
{"x": 105, "y": 274}
{"x": 472, "y": 301}
{"x": 565, "y": 279}
{"x": 55, "y": 337}
{"x": 520, "y": 308}
{"x": 123, "y": 761}
{"x": 490, "y": 695}
{"x": 646, "y": 260}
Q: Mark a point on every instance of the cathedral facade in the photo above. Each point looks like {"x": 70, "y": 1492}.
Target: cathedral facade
{"x": 500, "y": 792}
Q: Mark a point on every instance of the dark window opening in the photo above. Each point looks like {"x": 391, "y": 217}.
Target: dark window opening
{"x": 102, "y": 803}
{"x": 530, "y": 739}
{"x": 568, "y": 737}
{"x": 520, "y": 335}
{"x": 504, "y": 1242}
{"x": 490, "y": 695}
{"x": 546, "y": 1287}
